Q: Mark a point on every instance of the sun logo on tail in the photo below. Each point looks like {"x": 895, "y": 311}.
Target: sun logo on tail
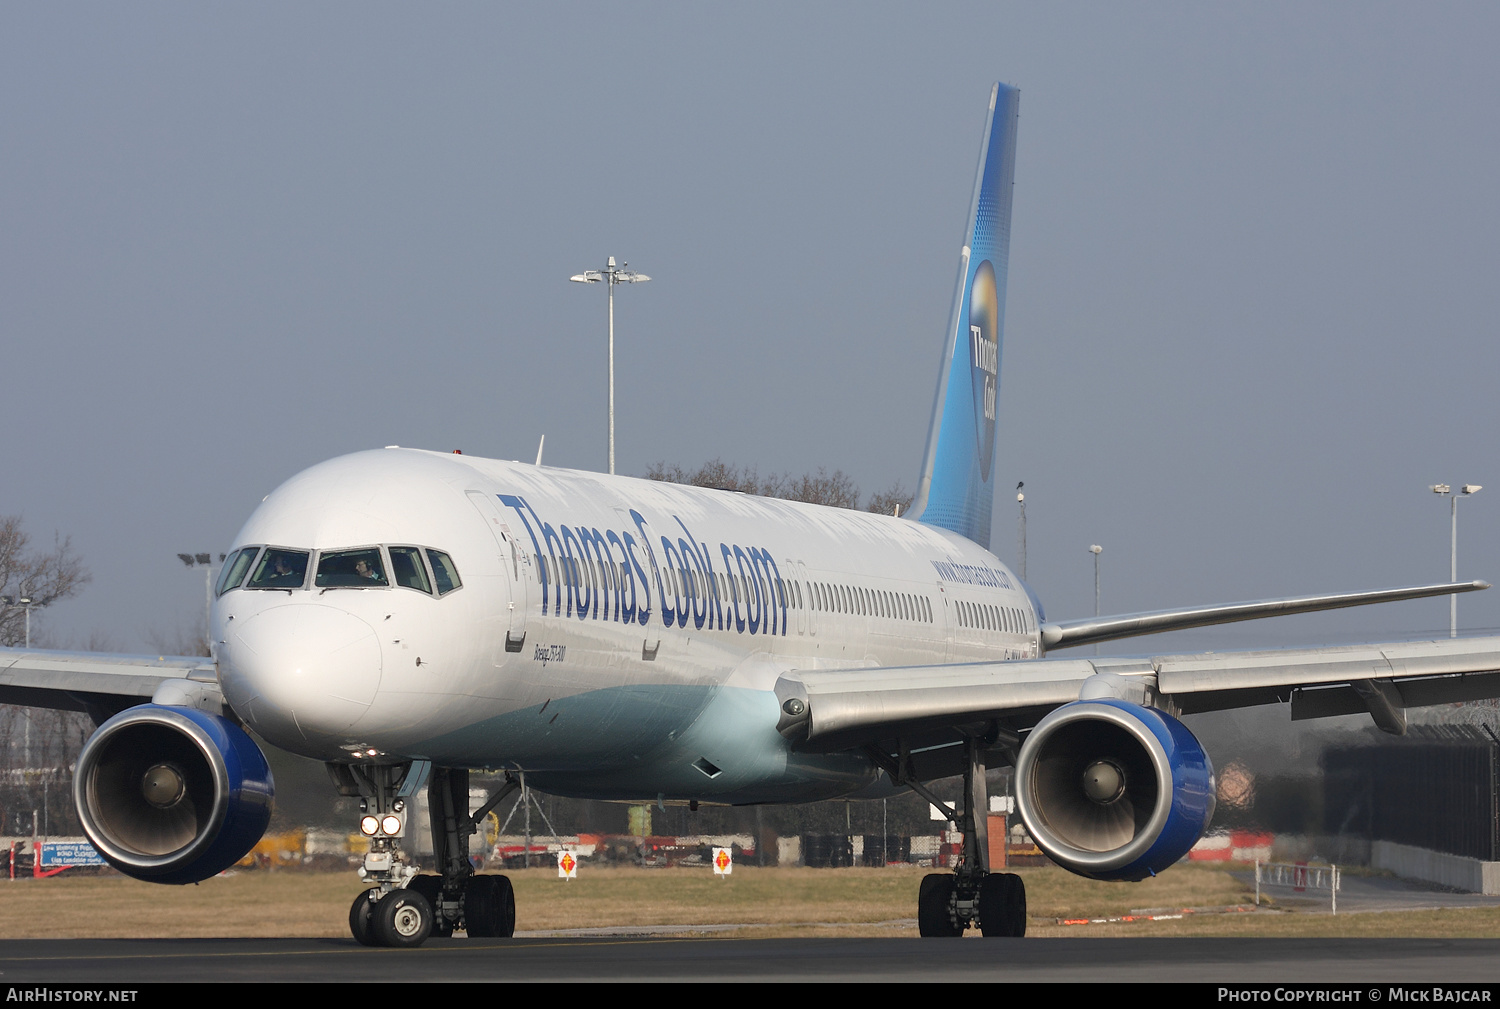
{"x": 984, "y": 361}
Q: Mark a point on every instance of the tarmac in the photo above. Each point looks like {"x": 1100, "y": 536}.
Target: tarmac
{"x": 1361, "y": 963}
{"x": 694, "y": 953}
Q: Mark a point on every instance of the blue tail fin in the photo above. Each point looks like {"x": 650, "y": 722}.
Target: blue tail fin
{"x": 956, "y": 490}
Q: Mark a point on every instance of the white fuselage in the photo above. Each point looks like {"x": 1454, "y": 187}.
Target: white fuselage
{"x": 614, "y": 637}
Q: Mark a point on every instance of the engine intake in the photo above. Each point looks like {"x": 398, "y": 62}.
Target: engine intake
{"x": 172, "y": 794}
{"x": 1114, "y": 790}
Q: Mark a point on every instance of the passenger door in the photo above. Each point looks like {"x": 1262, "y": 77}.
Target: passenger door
{"x": 515, "y": 562}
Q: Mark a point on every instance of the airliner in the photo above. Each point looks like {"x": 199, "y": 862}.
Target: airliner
{"x": 410, "y": 616}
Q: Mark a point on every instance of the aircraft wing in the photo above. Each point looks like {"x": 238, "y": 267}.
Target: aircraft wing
{"x": 99, "y": 684}
{"x": 928, "y": 705}
{"x": 1092, "y": 630}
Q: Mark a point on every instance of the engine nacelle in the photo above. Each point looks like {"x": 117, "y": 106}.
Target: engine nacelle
{"x": 172, "y": 794}
{"x": 1113, "y": 790}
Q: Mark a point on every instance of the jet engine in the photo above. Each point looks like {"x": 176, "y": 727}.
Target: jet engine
{"x": 1114, "y": 790}
{"x": 172, "y": 794}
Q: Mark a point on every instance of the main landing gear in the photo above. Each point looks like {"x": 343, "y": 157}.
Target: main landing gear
{"x": 948, "y": 903}
{"x": 403, "y": 908}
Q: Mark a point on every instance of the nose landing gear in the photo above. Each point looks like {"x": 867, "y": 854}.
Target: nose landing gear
{"x": 403, "y": 909}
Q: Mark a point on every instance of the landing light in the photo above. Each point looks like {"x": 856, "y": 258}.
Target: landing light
{"x": 369, "y": 825}
{"x": 391, "y": 824}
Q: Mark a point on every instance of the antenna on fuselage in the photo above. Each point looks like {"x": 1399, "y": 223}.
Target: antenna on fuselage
{"x": 539, "y": 446}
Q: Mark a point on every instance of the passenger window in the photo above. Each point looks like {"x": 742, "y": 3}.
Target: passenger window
{"x": 351, "y": 569}
{"x": 407, "y": 569}
{"x": 444, "y": 572}
{"x": 234, "y": 570}
{"x": 280, "y": 569}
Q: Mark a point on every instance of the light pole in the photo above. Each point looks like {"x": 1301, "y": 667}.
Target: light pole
{"x": 1466, "y": 490}
{"x": 29, "y": 604}
{"x": 1096, "y": 550}
{"x": 611, "y": 275}
{"x": 1021, "y": 502}
{"x": 206, "y": 562}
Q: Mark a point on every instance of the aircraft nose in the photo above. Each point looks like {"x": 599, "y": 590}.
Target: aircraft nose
{"x": 303, "y": 670}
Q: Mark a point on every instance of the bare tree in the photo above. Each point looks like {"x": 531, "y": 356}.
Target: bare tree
{"x": 718, "y": 474}
{"x": 45, "y": 576}
{"x": 38, "y": 746}
{"x": 835, "y": 489}
{"x": 895, "y": 501}
{"x": 191, "y": 640}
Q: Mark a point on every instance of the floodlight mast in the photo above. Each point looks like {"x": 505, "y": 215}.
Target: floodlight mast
{"x": 1466, "y": 490}
{"x": 612, "y": 275}
{"x": 1096, "y": 550}
{"x": 28, "y": 604}
{"x": 205, "y": 561}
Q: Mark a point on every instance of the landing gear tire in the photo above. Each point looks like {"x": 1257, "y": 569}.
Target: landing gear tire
{"x": 402, "y": 919}
{"x": 361, "y": 913}
{"x": 431, "y": 887}
{"x": 1002, "y": 905}
{"x": 935, "y": 906}
{"x": 490, "y": 907}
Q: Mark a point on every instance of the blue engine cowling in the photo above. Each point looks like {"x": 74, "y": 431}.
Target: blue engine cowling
{"x": 1113, "y": 790}
{"x": 172, "y": 794}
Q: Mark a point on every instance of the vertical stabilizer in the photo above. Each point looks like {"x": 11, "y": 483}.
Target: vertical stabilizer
{"x": 957, "y": 487}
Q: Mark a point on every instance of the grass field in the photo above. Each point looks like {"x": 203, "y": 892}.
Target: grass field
{"x": 778, "y": 902}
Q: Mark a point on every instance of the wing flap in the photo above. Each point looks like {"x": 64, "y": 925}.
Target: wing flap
{"x": 851, "y": 707}
{"x": 839, "y": 702}
{"x": 1185, "y": 674}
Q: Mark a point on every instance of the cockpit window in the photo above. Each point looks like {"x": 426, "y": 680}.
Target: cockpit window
{"x": 235, "y": 568}
{"x": 444, "y": 572}
{"x": 407, "y": 569}
{"x": 280, "y": 569}
{"x": 351, "y": 569}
